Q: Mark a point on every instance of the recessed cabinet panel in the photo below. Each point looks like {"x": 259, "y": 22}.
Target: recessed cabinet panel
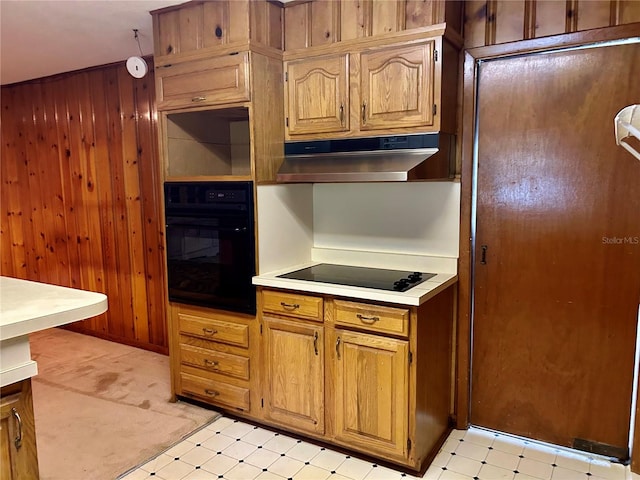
{"x": 318, "y": 95}
{"x": 397, "y": 87}
{"x": 220, "y": 80}
{"x": 371, "y": 392}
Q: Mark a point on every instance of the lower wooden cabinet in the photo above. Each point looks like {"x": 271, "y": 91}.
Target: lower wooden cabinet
{"x": 293, "y": 373}
{"x": 211, "y": 354}
{"x": 372, "y": 378}
{"x": 371, "y": 406}
{"x": 19, "y": 457}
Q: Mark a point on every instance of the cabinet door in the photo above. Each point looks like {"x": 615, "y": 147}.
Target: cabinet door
{"x": 18, "y": 455}
{"x": 213, "y": 81}
{"x": 372, "y": 392}
{"x": 397, "y": 87}
{"x": 294, "y": 374}
{"x": 317, "y": 95}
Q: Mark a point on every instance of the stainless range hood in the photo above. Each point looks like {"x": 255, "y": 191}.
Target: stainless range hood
{"x": 396, "y": 158}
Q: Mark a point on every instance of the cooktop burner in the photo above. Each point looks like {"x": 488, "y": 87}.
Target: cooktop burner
{"x": 381, "y": 279}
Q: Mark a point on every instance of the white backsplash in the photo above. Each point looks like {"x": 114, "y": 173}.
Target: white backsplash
{"x": 412, "y": 218}
{"x": 396, "y": 218}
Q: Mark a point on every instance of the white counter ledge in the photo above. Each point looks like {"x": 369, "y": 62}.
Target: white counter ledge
{"x": 27, "y": 307}
{"x": 414, "y": 296}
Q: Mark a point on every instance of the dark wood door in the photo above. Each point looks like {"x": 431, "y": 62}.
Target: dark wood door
{"x": 558, "y": 209}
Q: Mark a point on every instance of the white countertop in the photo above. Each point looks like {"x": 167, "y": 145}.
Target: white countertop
{"x": 414, "y": 296}
{"x": 27, "y": 307}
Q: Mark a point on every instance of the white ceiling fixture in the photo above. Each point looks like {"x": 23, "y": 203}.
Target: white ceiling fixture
{"x": 39, "y": 38}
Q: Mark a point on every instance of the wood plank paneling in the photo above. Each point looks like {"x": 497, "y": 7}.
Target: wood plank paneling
{"x": 489, "y": 22}
{"x": 80, "y": 196}
{"x": 355, "y": 19}
{"x": 297, "y": 32}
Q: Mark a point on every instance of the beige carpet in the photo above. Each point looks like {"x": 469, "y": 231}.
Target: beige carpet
{"x": 101, "y": 407}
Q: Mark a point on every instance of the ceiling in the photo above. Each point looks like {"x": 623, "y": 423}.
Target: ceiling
{"x": 44, "y": 37}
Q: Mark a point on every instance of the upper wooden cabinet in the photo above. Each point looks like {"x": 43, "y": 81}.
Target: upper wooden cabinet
{"x": 200, "y": 28}
{"x": 317, "y": 97}
{"x": 396, "y": 87}
{"x": 218, "y": 73}
{"x": 219, "y": 80}
{"x": 386, "y": 86}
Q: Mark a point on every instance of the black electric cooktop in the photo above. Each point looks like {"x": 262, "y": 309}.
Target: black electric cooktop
{"x": 381, "y": 279}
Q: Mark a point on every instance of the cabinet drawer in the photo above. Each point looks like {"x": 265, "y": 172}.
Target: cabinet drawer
{"x": 373, "y": 318}
{"x": 218, "y": 392}
{"x": 300, "y": 306}
{"x": 218, "y": 80}
{"x": 218, "y": 362}
{"x": 216, "y": 330}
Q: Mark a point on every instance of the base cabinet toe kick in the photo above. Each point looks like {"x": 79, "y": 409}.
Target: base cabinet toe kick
{"x": 371, "y": 378}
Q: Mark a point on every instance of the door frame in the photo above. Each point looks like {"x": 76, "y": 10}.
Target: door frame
{"x": 467, "y": 206}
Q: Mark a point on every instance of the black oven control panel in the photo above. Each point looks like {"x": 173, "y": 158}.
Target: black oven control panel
{"x": 208, "y": 195}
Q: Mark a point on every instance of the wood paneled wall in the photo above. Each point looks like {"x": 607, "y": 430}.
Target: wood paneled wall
{"x": 80, "y": 196}
{"x": 499, "y": 21}
{"x": 319, "y": 22}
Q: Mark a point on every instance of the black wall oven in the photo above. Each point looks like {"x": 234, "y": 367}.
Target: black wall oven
{"x": 211, "y": 244}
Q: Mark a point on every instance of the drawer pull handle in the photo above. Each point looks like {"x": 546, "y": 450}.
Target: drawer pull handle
{"x": 209, "y": 331}
{"x": 18, "y": 440}
{"x": 364, "y": 113}
{"x": 198, "y": 99}
{"x": 342, "y": 114}
{"x": 338, "y": 348}
{"x": 315, "y": 343}
{"x": 211, "y": 363}
{"x": 290, "y": 306}
{"x": 367, "y": 320}
{"x": 211, "y": 393}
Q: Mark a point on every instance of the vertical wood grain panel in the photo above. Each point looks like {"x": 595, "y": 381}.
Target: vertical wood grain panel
{"x": 168, "y": 39}
{"x": 190, "y": 25}
{"x": 133, "y": 208}
{"x": 151, "y": 210}
{"x": 419, "y": 13}
{"x": 275, "y": 23}
{"x": 475, "y": 22}
{"x": 355, "y": 19}
{"x": 387, "y": 16}
{"x": 297, "y": 31}
{"x": 550, "y": 17}
{"x": 593, "y": 14}
{"x": 325, "y": 21}
{"x": 626, "y": 11}
{"x": 12, "y": 141}
{"x": 238, "y": 20}
{"x": 509, "y": 22}
{"x": 80, "y": 196}
{"x": 215, "y": 15}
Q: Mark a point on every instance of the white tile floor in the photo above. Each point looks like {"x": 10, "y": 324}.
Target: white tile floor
{"x": 233, "y": 450}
